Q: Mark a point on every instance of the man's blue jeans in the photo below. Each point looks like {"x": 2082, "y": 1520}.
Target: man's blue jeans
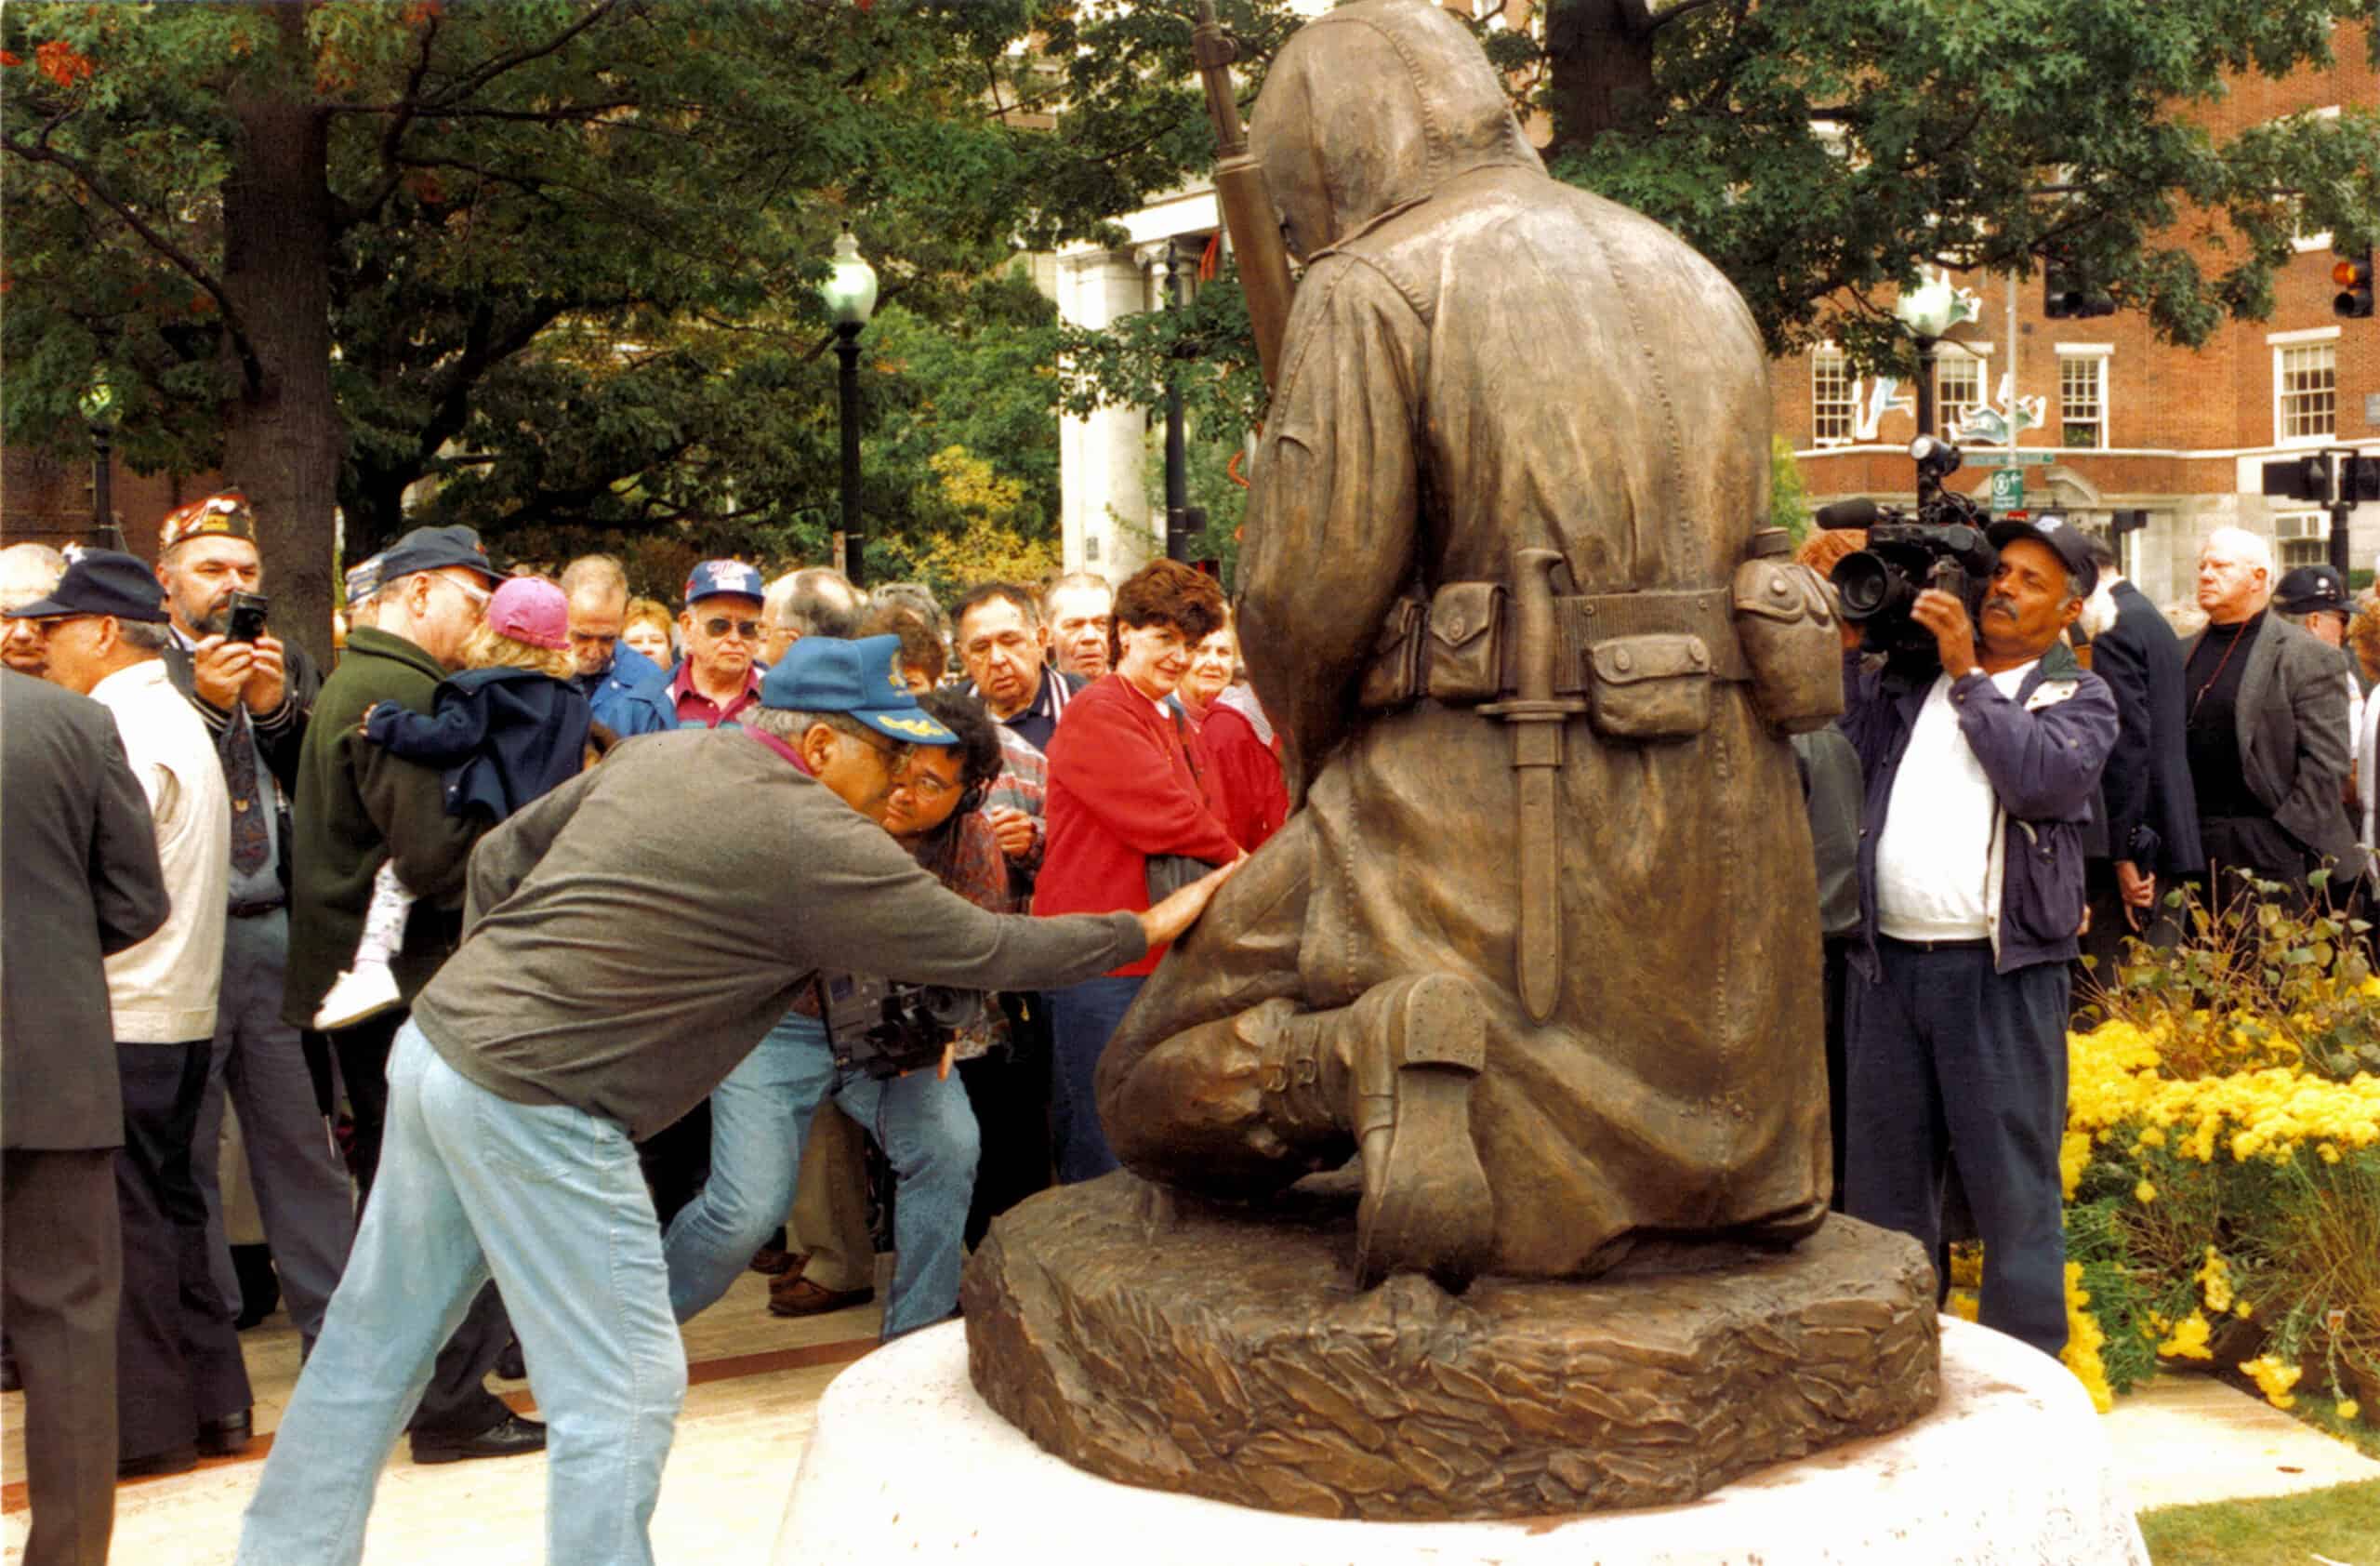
{"x": 549, "y": 1200}
{"x": 758, "y": 1116}
{"x": 1082, "y": 1018}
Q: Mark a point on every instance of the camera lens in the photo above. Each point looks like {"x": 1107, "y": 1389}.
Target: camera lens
{"x": 1864, "y": 583}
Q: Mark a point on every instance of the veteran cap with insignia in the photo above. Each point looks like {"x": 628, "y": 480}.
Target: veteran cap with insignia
{"x": 860, "y": 679}
{"x": 225, "y": 515}
{"x": 364, "y": 578}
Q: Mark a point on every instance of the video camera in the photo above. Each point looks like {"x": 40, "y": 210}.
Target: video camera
{"x": 884, "y": 1027}
{"x": 1939, "y": 545}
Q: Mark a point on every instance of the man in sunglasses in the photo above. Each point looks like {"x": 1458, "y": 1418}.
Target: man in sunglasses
{"x": 360, "y": 806}
{"x": 719, "y": 676}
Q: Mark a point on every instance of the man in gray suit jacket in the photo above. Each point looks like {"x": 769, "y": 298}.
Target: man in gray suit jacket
{"x": 2267, "y": 732}
{"x": 79, "y": 882}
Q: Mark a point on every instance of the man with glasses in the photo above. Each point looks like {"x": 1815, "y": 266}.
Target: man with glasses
{"x": 760, "y": 1111}
{"x": 360, "y": 806}
{"x": 719, "y": 676}
{"x": 181, "y": 1388}
{"x": 27, "y": 572}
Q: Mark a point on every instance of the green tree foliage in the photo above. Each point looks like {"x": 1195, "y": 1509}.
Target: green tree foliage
{"x": 1821, "y": 151}
{"x": 559, "y": 257}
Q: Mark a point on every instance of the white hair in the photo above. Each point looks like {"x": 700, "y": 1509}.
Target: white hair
{"x": 2252, "y": 548}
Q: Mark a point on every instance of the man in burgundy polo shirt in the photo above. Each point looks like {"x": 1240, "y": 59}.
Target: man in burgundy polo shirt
{"x": 719, "y": 675}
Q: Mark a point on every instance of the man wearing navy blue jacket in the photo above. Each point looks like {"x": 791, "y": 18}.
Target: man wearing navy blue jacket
{"x": 1979, "y": 778}
{"x": 611, "y": 673}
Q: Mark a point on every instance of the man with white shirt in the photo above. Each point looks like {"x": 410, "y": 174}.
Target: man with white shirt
{"x": 1980, "y": 776}
{"x": 182, "y": 1389}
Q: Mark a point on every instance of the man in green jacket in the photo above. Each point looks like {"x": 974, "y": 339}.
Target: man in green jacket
{"x": 358, "y": 807}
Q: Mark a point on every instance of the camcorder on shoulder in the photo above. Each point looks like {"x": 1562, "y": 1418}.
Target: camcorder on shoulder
{"x": 1941, "y": 544}
{"x": 885, "y": 1027}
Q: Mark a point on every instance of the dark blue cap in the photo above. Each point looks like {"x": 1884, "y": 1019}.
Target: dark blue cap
{"x": 100, "y": 582}
{"x": 2306, "y": 589}
{"x": 861, "y": 678}
{"x": 434, "y": 549}
{"x": 713, "y": 577}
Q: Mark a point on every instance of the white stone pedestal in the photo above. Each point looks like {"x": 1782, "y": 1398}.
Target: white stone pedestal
{"x": 906, "y": 1461}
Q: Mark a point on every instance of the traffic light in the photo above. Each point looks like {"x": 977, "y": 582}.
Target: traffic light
{"x": 2066, "y": 291}
{"x": 2300, "y": 478}
{"x": 2121, "y": 522}
{"x": 2353, "y": 274}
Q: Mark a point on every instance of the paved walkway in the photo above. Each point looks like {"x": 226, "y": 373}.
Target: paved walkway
{"x": 756, "y": 1381}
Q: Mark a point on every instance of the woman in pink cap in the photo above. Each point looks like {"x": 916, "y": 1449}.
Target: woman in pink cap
{"x": 508, "y": 728}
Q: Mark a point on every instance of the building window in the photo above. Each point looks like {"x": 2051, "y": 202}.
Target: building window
{"x": 2305, "y": 390}
{"x": 2082, "y": 400}
{"x": 2301, "y": 539}
{"x": 1834, "y": 403}
{"x": 1958, "y": 390}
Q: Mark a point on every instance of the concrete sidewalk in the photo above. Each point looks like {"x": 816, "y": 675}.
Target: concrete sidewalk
{"x": 2185, "y": 1439}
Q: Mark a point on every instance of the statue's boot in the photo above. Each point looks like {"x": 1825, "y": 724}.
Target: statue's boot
{"x": 1395, "y": 1070}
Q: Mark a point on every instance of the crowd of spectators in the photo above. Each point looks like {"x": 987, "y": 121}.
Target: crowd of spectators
{"x": 271, "y": 868}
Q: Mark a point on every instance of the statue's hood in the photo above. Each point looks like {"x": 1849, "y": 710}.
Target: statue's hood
{"x": 1372, "y": 107}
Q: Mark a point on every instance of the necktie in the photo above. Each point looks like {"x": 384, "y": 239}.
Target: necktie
{"x": 251, "y": 841}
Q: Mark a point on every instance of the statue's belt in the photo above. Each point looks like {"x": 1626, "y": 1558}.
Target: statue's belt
{"x": 1460, "y": 649}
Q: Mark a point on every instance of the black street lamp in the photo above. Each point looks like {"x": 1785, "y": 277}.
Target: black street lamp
{"x": 850, "y": 298}
{"x": 99, "y": 412}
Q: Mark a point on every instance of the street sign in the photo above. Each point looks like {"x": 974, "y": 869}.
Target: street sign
{"x": 2021, "y": 460}
{"x": 2008, "y": 488}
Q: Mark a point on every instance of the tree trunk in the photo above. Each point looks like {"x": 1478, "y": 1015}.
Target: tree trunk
{"x": 284, "y": 437}
{"x": 1601, "y": 68}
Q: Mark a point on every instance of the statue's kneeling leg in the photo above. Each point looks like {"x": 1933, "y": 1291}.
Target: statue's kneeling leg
{"x": 1252, "y": 1102}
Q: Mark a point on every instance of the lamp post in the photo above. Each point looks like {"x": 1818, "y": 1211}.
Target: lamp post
{"x": 1177, "y": 478}
{"x": 1928, "y": 311}
{"x": 850, "y": 298}
{"x": 98, "y": 411}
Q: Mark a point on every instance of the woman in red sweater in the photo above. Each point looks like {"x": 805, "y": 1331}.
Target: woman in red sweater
{"x": 1127, "y": 783}
{"x": 1243, "y": 753}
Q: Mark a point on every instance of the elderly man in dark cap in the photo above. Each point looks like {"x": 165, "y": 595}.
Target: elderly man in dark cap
{"x": 360, "y": 806}
{"x": 181, "y": 1387}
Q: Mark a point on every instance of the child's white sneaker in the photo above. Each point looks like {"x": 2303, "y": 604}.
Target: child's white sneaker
{"x": 364, "y": 990}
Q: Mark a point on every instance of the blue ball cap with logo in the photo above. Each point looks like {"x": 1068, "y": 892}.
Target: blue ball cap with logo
{"x": 861, "y": 678}
{"x": 713, "y": 577}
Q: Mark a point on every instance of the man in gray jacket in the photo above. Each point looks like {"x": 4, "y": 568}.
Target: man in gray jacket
{"x": 2267, "y": 732}
{"x": 610, "y": 977}
{"x": 79, "y": 882}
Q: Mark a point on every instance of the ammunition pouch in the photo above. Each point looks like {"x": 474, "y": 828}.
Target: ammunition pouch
{"x": 1393, "y": 676}
{"x": 1653, "y": 686}
{"x": 1787, "y": 622}
{"x": 1643, "y": 661}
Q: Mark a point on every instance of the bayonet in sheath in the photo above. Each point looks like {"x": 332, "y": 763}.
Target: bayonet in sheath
{"x": 1537, "y": 716}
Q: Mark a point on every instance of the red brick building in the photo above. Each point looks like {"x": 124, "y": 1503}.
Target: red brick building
{"x": 43, "y": 500}
{"x": 2181, "y": 433}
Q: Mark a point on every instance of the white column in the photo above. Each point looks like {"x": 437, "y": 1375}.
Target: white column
{"x": 1104, "y": 515}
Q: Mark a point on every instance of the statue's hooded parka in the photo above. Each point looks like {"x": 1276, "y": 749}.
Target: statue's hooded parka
{"x": 1479, "y": 359}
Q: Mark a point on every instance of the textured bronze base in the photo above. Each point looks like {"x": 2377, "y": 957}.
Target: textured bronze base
{"x": 1164, "y": 1342}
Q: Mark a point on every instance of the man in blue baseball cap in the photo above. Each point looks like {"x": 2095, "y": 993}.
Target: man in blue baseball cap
{"x": 611, "y": 977}
{"x": 719, "y": 676}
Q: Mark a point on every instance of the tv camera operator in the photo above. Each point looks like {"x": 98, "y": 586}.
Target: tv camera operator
{"x": 1980, "y": 741}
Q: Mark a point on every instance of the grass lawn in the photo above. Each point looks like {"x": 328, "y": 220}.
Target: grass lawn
{"x": 2340, "y": 1524}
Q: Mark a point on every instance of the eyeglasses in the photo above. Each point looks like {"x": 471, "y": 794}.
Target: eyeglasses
{"x": 477, "y": 595}
{"x": 717, "y": 626}
{"x": 928, "y": 789}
